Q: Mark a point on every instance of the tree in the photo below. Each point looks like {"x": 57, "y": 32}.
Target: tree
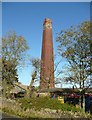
{"x": 14, "y": 48}
{"x": 9, "y": 72}
{"x": 74, "y": 45}
{"x": 36, "y": 63}
{"x": 13, "y": 54}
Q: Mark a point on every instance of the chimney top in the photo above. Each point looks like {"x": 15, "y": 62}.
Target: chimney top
{"x": 47, "y": 20}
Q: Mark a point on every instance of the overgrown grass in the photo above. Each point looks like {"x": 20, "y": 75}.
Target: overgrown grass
{"x": 45, "y": 102}
{"x": 42, "y": 107}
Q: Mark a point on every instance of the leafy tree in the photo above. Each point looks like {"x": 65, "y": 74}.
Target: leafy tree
{"x": 13, "y": 55}
{"x": 9, "y": 72}
{"x": 14, "y": 48}
{"x": 74, "y": 45}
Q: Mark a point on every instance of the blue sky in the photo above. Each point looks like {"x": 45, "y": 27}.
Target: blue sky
{"x": 26, "y": 19}
{"x": 46, "y": 0}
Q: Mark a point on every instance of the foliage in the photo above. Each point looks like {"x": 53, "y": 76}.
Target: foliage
{"x": 35, "y": 62}
{"x": 9, "y": 72}
{"x": 13, "y": 55}
{"x": 74, "y": 45}
{"x": 38, "y": 104}
{"x": 14, "y": 48}
{"x": 14, "y": 107}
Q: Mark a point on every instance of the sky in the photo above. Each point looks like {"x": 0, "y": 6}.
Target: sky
{"x": 46, "y": 0}
{"x": 26, "y": 19}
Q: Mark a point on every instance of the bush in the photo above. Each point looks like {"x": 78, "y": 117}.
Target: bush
{"x": 45, "y": 102}
{"x": 43, "y": 107}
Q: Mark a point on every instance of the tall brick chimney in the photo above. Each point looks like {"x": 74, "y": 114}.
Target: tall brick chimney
{"x": 47, "y": 60}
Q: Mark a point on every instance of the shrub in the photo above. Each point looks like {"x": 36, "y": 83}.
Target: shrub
{"x": 45, "y": 102}
{"x": 43, "y": 107}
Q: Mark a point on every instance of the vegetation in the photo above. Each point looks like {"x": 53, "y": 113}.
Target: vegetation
{"x": 38, "y": 104}
{"x": 43, "y": 107}
{"x": 75, "y": 46}
{"x": 13, "y": 50}
{"x": 36, "y": 64}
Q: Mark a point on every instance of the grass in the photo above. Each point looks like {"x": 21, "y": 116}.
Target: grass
{"x": 45, "y": 102}
{"x": 42, "y": 107}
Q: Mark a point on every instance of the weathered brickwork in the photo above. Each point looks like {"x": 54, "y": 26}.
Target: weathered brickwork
{"x": 47, "y": 60}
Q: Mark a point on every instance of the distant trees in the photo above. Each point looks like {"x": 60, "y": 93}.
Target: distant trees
{"x": 13, "y": 54}
{"x": 75, "y": 45}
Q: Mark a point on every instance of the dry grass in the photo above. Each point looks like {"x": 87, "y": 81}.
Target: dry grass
{"x": 14, "y": 108}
